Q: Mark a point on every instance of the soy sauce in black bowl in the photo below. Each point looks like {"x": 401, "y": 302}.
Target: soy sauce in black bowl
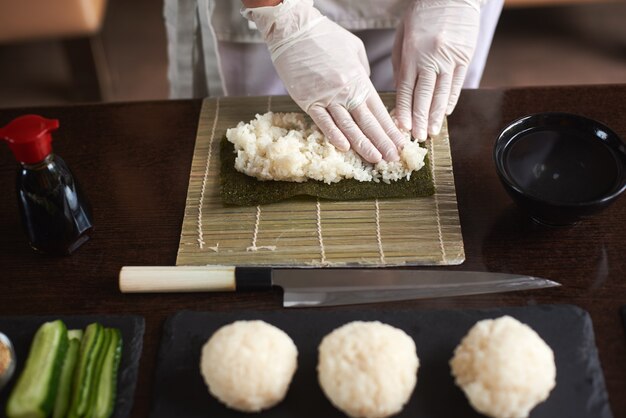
{"x": 560, "y": 167}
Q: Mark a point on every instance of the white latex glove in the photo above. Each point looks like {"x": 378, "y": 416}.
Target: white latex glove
{"x": 325, "y": 70}
{"x": 433, "y": 48}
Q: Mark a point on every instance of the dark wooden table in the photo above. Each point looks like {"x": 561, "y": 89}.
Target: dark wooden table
{"x": 133, "y": 160}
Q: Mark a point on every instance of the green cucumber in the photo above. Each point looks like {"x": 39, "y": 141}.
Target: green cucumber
{"x": 107, "y": 385}
{"x": 35, "y": 391}
{"x": 75, "y": 334}
{"x": 83, "y": 374}
{"x": 93, "y": 392}
{"x": 64, "y": 392}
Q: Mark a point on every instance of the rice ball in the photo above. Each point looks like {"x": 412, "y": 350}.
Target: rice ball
{"x": 504, "y": 368}
{"x": 248, "y": 365}
{"x": 368, "y": 369}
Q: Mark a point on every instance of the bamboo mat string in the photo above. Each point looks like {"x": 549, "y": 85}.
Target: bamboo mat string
{"x": 255, "y": 233}
{"x": 432, "y": 169}
{"x": 206, "y": 176}
{"x": 320, "y": 238}
{"x": 379, "y": 238}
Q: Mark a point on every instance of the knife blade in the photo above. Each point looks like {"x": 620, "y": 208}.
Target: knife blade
{"x": 326, "y": 286}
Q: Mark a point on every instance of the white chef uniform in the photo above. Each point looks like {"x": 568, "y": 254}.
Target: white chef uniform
{"x": 214, "y": 51}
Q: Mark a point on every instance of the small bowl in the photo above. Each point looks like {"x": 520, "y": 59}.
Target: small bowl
{"x": 560, "y": 167}
{"x": 6, "y": 374}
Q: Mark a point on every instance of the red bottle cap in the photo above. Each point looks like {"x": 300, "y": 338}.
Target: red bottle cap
{"x": 29, "y": 137}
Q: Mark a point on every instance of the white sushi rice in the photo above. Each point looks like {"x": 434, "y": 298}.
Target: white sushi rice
{"x": 248, "y": 365}
{"x": 368, "y": 369}
{"x": 288, "y": 147}
{"x": 504, "y": 367}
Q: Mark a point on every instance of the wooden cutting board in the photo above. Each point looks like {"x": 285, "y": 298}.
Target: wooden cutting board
{"x": 310, "y": 233}
{"x": 179, "y": 390}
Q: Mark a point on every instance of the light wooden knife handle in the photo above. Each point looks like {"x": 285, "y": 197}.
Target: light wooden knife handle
{"x": 177, "y": 279}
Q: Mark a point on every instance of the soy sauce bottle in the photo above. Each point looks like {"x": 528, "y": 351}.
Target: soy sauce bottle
{"x": 55, "y": 212}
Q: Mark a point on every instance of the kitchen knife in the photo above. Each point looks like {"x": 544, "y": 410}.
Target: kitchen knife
{"x": 324, "y": 286}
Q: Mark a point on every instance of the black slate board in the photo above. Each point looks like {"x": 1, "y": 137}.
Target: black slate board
{"x": 21, "y": 329}
{"x": 580, "y": 391}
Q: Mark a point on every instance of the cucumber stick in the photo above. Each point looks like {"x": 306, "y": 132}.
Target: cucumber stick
{"x": 107, "y": 383}
{"x": 35, "y": 391}
{"x": 64, "y": 392}
{"x": 90, "y": 348}
{"x": 97, "y": 372}
{"x": 75, "y": 334}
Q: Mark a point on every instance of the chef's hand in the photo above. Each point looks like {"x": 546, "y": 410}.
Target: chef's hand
{"x": 433, "y": 47}
{"x": 325, "y": 70}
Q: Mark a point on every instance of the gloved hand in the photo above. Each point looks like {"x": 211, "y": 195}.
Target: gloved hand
{"x": 433, "y": 48}
{"x": 325, "y": 70}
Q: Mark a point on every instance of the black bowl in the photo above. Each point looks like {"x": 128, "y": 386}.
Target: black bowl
{"x": 560, "y": 167}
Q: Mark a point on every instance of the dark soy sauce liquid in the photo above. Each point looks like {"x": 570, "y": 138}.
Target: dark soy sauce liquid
{"x": 56, "y": 215}
{"x": 565, "y": 167}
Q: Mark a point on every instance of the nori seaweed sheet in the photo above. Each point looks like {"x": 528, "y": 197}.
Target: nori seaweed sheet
{"x": 239, "y": 189}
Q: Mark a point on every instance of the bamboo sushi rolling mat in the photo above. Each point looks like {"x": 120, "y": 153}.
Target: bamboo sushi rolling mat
{"x": 310, "y": 233}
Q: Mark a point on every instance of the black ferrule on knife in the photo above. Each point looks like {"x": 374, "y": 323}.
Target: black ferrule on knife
{"x": 253, "y": 278}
